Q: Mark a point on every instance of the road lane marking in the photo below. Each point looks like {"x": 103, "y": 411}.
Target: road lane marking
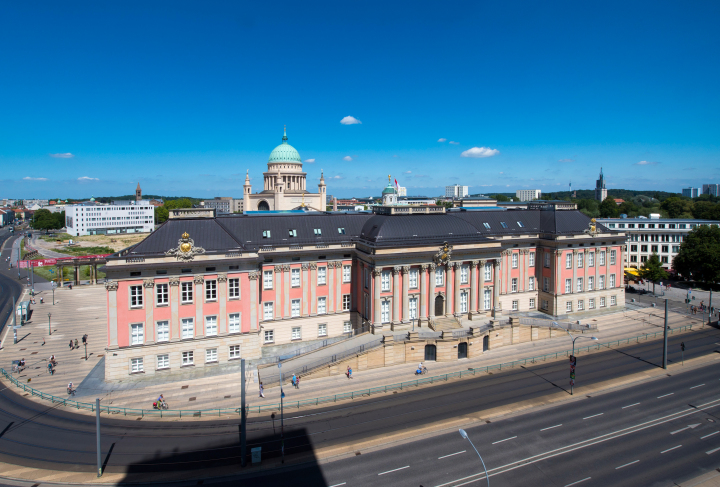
{"x": 500, "y": 441}
{"x": 621, "y": 466}
{"x": 712, "y": 451}
{"x": 594, "y": 415}
{"x": 338, "y": 485}
{"x": 551, "y": 427}
{"x": 452, "y": 454}
{"x": 390, "y": 471}
{"x": 574, "y": 483}
{"x": 670, "y": 449}
{"x": 707, "y": 436}
{"x": 630, "y": 405}
{"x": 693, "y": 387}
{"x": 688, "y": 427}
{"x": 666, "y": 395}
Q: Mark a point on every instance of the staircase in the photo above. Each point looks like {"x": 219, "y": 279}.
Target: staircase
{"x": 444, "y": 323}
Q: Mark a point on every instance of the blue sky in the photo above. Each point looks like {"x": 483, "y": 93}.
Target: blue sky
{"x": 184, "y": 97}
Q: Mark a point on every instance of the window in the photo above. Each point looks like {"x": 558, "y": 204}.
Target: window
{"x": 321, "y": 309}
{"x": 581, "y": 305}
{"x": 322, "y": 330}
{"x": 513, "y": 285}
{"x": 568, "y": 260}
{"x": 187, "y": 358}
{"x": 186, "y": 292}
{"x": 385, "y": 281}
{"x": 385, "y": 311}
{"x": 317, "y": 231}
{"x": 292, "y": 233}
{"x": 211, "y": 290}
{"x": 210, "y": 326}
{"x": 463, "y": 302}
{"x": 163, "y": 331}
{"x": 643, "y": 248}
{"x": 234, "y": 323}
{"x": 601, "y": 282}
{"x": 515, "y": 305}
{"x": 161, "y": 294}
{"x": 234, "y": 351}
{"x": 266, "y": 233}
{"x": 136, "y": 297}
{"x": 591, "y": 303}
{"x": 514, "y": 261}
{"x": 503, "y": 224}
{"x": 591, "y": 282}
{"x": 546, "y": 284}
{"x": 633, "y": 248}
{"x": 654, "y": 249}
{"x": 268, "y": 311}
{"x": 532, "y": 303}
{"x": 579, "y": 284}
{"x": 612, "y": 257}
{"x": 531, "y": 284}
{"x": 602, "y": 302}
{"x": 531, "y": 259}
{"x": 486, "y": 225}
{"x": 269, "y": 336}
{"x": 211, "y": 355}
{"x": 488, "y": 272}
{"x": 439, "y": 276}
{"x": 580, "y": 259}
{"x": 136, "y": 335}
{"x": 136, "y": 365}
{"x": 591, "y": 259}
{"x": 295, "y": 308}
{"x": 346, "y": 302}
{"x": 611, "y": 284}
{"x": 321, "y": 275}
{"x": 568, "y": 306}
{"x": 347, "y": 327}
{"x": 341, "y": 231}
{"x": 545, "y": 304}
{"x": 234, "y": 288}
{"x": 187, "y": 328}
{"x": 412, "y": 307}
{"x": 601, "y": 259}
{"x": 486, "y": 299}
{"x": 413, "y": 278}
{"x": 296, "y": 333}
{"x": 267, "y": 279}
{"x": 163, "y": 361}
{"x": 295, "y": 277}
{"x": 547, "y": 259}
{"x": 568, "y": 286}
{"x": 464, "y": 272}
{"x": 347, "y": 273}
{"x": 520, "y": 224}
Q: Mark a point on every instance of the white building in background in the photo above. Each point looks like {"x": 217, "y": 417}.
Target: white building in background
{"x": 224, "y": 204}
{"x": 456, "y": 191}
{"x": 711, "y": 189}
{"x": 35, "y": 202}
{"x": 528, "y": 194}
{"x": 90, "y": 218}
{"x": 402, "y": 191}
{"x": 691, "y": 192}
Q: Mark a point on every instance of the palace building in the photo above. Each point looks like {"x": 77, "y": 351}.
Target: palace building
{"x": 211, "y": 289}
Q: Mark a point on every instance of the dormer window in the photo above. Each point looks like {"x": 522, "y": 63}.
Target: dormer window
{"x": 341, "y": 231}
{"x": 520, "y": 224}
{"x": 503, "y": 224}
{"x": 292, "y": 232}
{"x": 318, "y": 231}
{"x": 486, "y": 225}
{"x": 266, "y": 233}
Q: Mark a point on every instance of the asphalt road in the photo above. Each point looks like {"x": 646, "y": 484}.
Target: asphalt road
{"x": 10, "y": 287}
{"x": 46, "y": 436}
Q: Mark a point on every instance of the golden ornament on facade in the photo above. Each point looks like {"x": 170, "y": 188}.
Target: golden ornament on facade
{"x": 186, "y": 249}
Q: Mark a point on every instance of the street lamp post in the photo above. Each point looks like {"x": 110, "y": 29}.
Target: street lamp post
{"x": 465, "y": 435}
{"x": 282, "y": 424}
{"x": 572, "y": 381}
{"x": 49, "y": 327}
{"x": 53, "y": 290}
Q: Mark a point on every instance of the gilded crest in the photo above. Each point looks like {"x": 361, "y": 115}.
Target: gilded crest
{"x": 186, "y": 249}
{"x": 444, "y": 254}
{"x": 592, "y": 228}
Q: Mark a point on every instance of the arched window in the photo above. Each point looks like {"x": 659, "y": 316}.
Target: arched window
{"x": 263, "y": 206}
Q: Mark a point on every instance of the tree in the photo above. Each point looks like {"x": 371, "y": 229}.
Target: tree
{"x": 45, "y": 220}
{"x": 699, "y": 256}
{"x": 162, "y": 213}
{"x": 677, "y": 207}
{"x": 608, "y": 208}
{"x": 653, "y": 271}
{"x": 499, "y": 197}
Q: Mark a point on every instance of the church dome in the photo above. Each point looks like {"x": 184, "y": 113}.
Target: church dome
{"x": 285, "y": 152}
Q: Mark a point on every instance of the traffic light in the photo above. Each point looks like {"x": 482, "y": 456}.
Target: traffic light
{"x": 682, "y": 346}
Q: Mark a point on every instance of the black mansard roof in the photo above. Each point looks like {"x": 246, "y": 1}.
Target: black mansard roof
{"x": 251, "y": 232}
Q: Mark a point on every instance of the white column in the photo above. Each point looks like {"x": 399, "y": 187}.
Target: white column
{"x": 456, "y": 301}
{"x": 431, "y": 291}
{"x": 377, "y": 316}
{"x": 497, "y": 306}
{"x": 405, "y": 294}
{"x": 423, "y": 292}
{"x": 396, "y": 294}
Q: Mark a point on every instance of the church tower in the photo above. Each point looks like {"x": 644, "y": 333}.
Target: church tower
{"x": 600, "y": 190}
{"x": 138, "y": 193}
{"x": 389, "y": 194}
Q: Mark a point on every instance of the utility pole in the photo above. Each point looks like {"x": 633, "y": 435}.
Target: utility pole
{"x": 49, "y": 326}
{"x": 243, "y": 419}
{"x": 665, "y": 333}
{"x": 282, "y": 424}
{"x": 97, "y": 428}
{"x": 14, "y": 312}
{"x": 710, "y": 308}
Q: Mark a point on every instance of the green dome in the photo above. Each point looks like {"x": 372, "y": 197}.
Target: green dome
{"x": 285, "y": 152}
{"x": 389, "y": 190}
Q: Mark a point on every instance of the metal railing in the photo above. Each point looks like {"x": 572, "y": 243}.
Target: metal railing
{"x": 316, "y": 346}
{"x": 334, "y": 397}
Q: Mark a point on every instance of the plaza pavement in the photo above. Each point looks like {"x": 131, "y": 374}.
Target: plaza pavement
{"x": 82, "y": 310}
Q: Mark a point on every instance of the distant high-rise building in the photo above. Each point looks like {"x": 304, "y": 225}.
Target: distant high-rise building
{"x": 528, "y": 194}
{"x": 691, "y": 192}
{"x": 600, "y": 190}
{"x": 456, "y": 191}
{"x": 711, "y": 189}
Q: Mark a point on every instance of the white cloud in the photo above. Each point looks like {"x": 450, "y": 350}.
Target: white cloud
{"x": 408, "y": 172}
{"x": 645, "y": 163}
{"x": 347, "y": 158}
{"x": 309, "y": 161}
{"x": 350, "y": 120}
{"x": 454, "y": 143}
{"x": 442, "y": 139}
{"x": 502, "y": 172}
{"x": 480, "y": 152}
{"x": 28, "y": 178}
{"x": 566, "y": 160}
{"x": 336, "y": 177}
{"x": 63, "y": 155}
{"x": 85, "y": 178}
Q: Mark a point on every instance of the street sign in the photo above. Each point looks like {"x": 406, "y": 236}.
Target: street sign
{"x": 682, "y": 346}
{"x": 256, "y": 454}
{"x": 572, "y": 382}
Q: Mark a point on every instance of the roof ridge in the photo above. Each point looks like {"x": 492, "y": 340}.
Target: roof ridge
{"x": 227, "y": 231}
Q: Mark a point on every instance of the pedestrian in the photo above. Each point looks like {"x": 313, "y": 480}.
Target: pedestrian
{"x": 71, "y": 344}
{"x": 349, "y": 373}
{"x": 292, "y": 381}
{"x": 76, "y": 344}
{"x": 261, "y": 390}
{"x": 297, "y": 382}
{"x": 84, "y": 339}
{"x": 51, "y": 371}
